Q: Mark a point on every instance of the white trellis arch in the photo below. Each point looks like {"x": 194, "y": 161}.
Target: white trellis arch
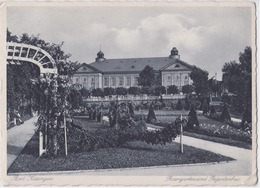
{"x": 19, "y": 52}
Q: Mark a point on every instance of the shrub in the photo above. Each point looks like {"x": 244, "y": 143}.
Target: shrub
{"x": 121, "y": 91}
{"x": 187, "y": 104}
{"x": 192, "y": 118}
{"x": 172, "y": 89}
{"x": 212, "y": 111}
{"x": 109, "y": 91}
{"x": 179, "y": 105}
{"x": 205, "y": 107}
{"x": 187, "y": 89}
{"x": 151, "y": 115}
{"x": 134, "y": 90}
{"x": 247, "y": 118}
{"x": 225, "y": 115}
{"x": 130, "y": 109}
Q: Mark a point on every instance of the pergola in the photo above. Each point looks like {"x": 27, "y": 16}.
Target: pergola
{"x": 18, "y": 53}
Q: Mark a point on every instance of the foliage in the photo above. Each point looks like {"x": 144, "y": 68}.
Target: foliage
{"x": 212, "y": 111}
{"x": 159, "y": 90}
{"x": 121, "y": 91}
{"x": 225, "y": 115}
{"x": 151, "y": 115}
{"x": 187, "y": 89}
{"x": 173, "y": 89}
{"x": 205, "y": 106}
{"x": 85, "y": 93}
{"x": 146, "y": 77}
{"x": 237, "y": 78}
{"x": 187, "y": 103}
{"x": 247, "y": 118}
{"x": 108, "y": 91}
{"x": 193, "y": 121}
{"x": 179, "y": 105}
{"x": 97, "y": 92}
{"x": 134, "y": 91}
{"x": 131, "y": 109}
{"x": 75, "y": 98}
{"x": 147, "y": 90}
{"x": 200, "y": 81}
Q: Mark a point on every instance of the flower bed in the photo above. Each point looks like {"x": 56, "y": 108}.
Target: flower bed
{"x": 214, "y": 128}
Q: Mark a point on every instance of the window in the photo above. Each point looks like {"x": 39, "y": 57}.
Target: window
{"x": 85, "y": 79}
{"x": 177, "y": 66}
{"x": 177, "y": 78}
{"x": 135, "y": 81}
{"x": 169, "y": 78}
{"x": 106, "y": 81}
{"x": 186, "y": 81}
{"x": 128, "y": 81}
{"x": 77, "y": 79}
{"x": 113, "y": 81}
{"x": 121, "y": 81}
{"x": 92, "y": 82}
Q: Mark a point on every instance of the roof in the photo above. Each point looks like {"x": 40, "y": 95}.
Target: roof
{"x": 137, "y": 64}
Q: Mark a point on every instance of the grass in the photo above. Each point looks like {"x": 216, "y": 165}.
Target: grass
{"x": 131, "y": 154}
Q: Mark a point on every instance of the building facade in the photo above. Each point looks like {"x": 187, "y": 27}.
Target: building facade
{"x": 115, "y": 73}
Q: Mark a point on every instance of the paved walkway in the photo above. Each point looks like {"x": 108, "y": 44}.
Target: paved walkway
{"x": 17, "y": 138}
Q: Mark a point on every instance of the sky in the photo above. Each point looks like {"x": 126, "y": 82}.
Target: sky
{"x": 204, "y": 36}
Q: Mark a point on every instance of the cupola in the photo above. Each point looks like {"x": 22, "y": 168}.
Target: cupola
{"x": 174, "y": 53}
{"x": 100, "y": 56}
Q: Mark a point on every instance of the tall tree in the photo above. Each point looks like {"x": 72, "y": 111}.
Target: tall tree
{"x": 200, "y": 81}
{"x": 146, "y": 77}
{"x": 237, "y": 78}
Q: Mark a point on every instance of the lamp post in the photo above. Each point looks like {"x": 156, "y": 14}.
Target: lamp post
{"x": 181, "y": 133}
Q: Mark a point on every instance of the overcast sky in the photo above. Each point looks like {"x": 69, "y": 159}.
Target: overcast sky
{"x": 205, "y": 36}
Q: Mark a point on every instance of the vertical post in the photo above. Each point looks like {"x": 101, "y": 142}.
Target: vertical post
{"x": 65, "y": 134}
{"x": 181, "y": 141}
{"x": 40, "y": 143}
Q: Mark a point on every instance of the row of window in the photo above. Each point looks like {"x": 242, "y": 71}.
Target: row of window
{"x": 120, "y": 81}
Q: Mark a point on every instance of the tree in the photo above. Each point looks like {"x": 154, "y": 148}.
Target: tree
{"x": 172, "y": 89}
{"x": 84, "y": 92}
{"x": 200, "y": 81}
{"x": 225, "y": 115}
{"x": 237, "y": 78}
{"x": 108, "y": 91}
{"x": 133, "y": 91}
{"x": 97, "y": 92}
{"x": 205, "y": 106}
{"x": 121, "y": 91}
{"x": 187, "y": 103}
{"x": 75, "y": 98}
{"x": 187, "y": 89}
{"x": 147, "y": 90}
{"x": 151, "y": 115}
{"x": 146, "y": 77}
{"x": 159, "y": 90}
{"x": 192, "y": 118}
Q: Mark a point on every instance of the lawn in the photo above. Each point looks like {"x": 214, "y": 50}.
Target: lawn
{"x": 131, "y": 154}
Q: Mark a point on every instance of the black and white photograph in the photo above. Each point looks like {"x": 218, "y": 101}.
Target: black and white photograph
{"x": 158, "y": 93}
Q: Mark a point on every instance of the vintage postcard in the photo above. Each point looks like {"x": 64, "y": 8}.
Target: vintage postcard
{"x": 128, "y": 93}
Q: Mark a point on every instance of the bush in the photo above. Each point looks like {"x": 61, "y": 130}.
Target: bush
{"x": 225, "y": 115}
{"x": 193, "y": 121}
{"x": 179, "y": 105}
{"x": 172, "y": 89}
{"x": 187, "y": 89}
{"x": 133, "y": 91}
{"x": 108, "y": 91}
{"x": 151, "y": 115}
{"x": 205, "y": 107}
{"x": 131, "y": 109}
{"x": 212, "y": 111}
{"x": 247, "y": 118}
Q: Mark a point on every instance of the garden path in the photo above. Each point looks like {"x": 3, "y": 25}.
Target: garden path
{"x": 241, "y": 166}
{"x": 17, "y": 138}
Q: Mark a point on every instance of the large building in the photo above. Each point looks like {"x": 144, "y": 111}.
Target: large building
{"x": 115, "y": 73}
